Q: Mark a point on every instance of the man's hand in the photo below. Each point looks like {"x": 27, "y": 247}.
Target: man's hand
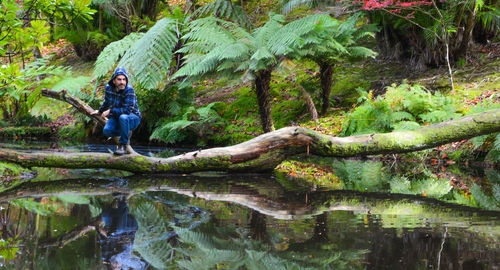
{"x": 105, "y": 113}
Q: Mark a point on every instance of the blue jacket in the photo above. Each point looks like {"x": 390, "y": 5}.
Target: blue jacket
{"x": 122, "y": 102}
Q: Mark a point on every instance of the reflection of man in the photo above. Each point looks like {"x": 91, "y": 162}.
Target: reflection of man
{"x": 117, "y": 237}
{"x": 120, "y": 106}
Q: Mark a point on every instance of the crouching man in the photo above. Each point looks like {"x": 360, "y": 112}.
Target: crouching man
{"x": 120, "y": 107}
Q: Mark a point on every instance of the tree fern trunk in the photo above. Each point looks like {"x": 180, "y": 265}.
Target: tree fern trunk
{"x": 470, "y": 22}
{"x": 325, "y": 74}
{"x": 262, "y": 85}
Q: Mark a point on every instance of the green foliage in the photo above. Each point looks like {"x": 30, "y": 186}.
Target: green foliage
{"x": 169, "y": 103}
{"x": 362, "y": 176}
{"x": 15, "y": 37}
{"x": 403, "y": 107}
{"x": 195, "y": 121}
{"x": 21, "y": 88}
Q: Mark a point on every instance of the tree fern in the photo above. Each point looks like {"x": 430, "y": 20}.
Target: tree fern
{"x": 148, "y": 60}
{"x": 224, "y": 9}
{"x": 110, "y": 55}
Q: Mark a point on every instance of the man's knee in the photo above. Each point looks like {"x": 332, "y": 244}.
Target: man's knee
{"x": 107, "y": 132}
{"x": 123, "y": 118}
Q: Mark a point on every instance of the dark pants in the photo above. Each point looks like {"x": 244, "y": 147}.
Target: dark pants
{"x": 121, "y": 126}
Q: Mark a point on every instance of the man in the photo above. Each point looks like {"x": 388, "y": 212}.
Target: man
{"x": 120, "y": 106}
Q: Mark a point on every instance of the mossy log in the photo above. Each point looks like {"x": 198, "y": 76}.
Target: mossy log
{"x": 266, "y": 151}
{"x": 12, "y": 132}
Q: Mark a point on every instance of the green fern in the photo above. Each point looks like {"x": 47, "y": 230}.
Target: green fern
{"x": 224, "y": 9}
{"x": 174, "y": 131}
{"x": 289, "y": 6}
{"x": 403, "y": 107}
{"x": 110, "y": 55}
{"x": 73, "y": 86}
{"x": 405, "y": 125}
{"x": 148, "y": 60}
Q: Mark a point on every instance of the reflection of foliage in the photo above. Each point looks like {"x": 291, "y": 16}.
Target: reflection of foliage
{"x": 49, "y": 206}
{"x": 43, "y": 208}
{"x": 8, "y": 249}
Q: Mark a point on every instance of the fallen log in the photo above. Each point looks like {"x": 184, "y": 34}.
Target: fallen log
{"x": 268, "y": 150}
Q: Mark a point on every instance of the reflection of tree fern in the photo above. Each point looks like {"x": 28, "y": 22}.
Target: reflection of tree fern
{"x": 484, "y": 200}
{"x": 211, "y": 247}
{"x": 151, "y": 238}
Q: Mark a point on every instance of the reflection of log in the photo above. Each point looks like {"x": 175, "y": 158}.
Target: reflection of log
{"x": 282, "y": 205}
{"x": 73, "y": 235}
{"x": 268, "y": 150}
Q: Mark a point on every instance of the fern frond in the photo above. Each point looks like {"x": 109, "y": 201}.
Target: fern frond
{"x": 361, "y": 52}
{"x": 148, "y": 60}
{"x": 112, "y": 53}
{"x": 73, "y": 86}
{"x": 294, "y": 4}
{"x": 224, "y": 9}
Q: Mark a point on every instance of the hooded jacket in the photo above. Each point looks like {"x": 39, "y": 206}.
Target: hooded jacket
{"x": 121, "y": 102}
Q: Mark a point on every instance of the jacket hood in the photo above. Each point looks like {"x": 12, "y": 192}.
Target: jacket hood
{"x": 118, "y": 71}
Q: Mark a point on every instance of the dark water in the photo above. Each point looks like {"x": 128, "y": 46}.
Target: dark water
{"x": 101, "y": 219}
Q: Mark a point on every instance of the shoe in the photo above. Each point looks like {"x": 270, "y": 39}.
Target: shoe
{"x": 122, "y": 150}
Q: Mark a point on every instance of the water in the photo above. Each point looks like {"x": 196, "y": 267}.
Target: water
{"x": 250, "y": 221}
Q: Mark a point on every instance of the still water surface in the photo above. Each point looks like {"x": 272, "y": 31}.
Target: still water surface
{"x": 103, "y": 219}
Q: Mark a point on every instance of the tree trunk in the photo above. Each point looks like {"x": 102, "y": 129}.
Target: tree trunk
{"x": 470, "y": 22}
{"x": 325, "y": 74}
{"x": 263, "y": 153}
{"x": 309, "y": 103}
{"x": 262, "y": 85}
{"x": 75, "y": 102}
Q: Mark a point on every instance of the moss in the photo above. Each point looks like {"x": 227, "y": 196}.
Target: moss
{"x": 20, "y": 132}
{"x": 308, "y": 173}
{"x": 75, "y": 132}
